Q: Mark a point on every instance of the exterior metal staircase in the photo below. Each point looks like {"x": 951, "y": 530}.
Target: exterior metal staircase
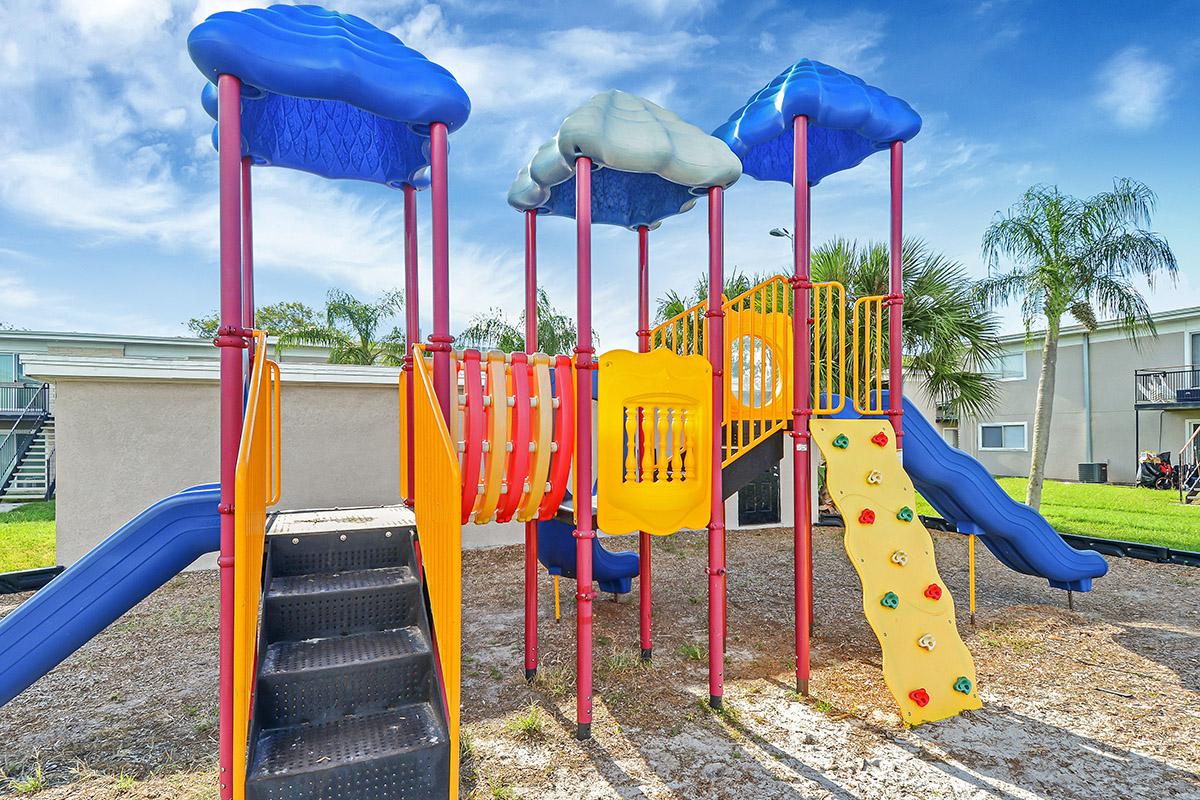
{"x": 348, "y": 702}
{"x": 33, "y": 477}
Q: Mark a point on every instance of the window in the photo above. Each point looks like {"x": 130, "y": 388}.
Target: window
{"x": 1002, "y": 436}
{"x": 1008, "y": 367}
{"x": 8, "y": 368}
{"x": 950, "y": 436}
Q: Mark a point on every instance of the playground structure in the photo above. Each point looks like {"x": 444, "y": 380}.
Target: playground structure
{"x": 340, "y": 648}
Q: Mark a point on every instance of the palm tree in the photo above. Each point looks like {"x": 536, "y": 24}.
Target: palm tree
{"x": 492, "y": 330}
{"x": 672, "y": 303}
{"x": 948, "y": 335}
{"x": 1079, "y": 257}
{"x": 351, "y": 330}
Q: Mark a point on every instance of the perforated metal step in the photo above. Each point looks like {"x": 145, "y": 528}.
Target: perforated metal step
{"x": 341, "y": 552}
{"x": 311, "y": 606}
{"x": 325, "y": 679}
{"x": 396, "y": 754}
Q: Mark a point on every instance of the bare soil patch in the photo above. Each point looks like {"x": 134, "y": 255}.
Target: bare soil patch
{"x": 1105, "y": 698}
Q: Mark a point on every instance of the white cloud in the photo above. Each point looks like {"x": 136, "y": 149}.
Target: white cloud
{"x": 676, "y": 9}
{"x": 849, "y": 42}
{"x": 1134, "y": 89}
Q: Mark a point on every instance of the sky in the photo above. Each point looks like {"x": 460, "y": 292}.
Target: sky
{"x": 108, "y": 190}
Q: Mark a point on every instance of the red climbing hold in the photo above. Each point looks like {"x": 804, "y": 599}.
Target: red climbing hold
{"x": 920, "y": 697}
{"x": 867, "y": 517}
{"x": 880, "y": 439}
{"x": 933, "y": 591}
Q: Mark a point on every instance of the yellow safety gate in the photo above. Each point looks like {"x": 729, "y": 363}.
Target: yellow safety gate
{"x": 256, "y": 487}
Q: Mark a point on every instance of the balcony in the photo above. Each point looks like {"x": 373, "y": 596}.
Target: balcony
{"x": 1166, "y": 387}
{"x": 944, "y": 414}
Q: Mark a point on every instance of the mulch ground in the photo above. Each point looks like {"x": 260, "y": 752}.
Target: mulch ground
{"x": 1102, "y": 699}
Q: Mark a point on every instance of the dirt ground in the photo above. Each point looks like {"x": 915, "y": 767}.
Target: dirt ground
{"x": 1102, "y": 700}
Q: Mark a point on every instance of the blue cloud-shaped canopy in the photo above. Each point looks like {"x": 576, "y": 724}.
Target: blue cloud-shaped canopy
{"x": 848, "y": 120}
{"x": 648, "y": 163}
{"x": 328, "y": 93}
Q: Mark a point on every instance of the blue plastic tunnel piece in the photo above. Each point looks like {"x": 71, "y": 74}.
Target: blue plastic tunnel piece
{"x": 112, "y": 578}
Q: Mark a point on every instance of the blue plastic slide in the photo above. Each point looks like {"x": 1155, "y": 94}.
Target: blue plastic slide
{"x": 112, "y": 578}
{"x": 965, "y": 494}
{"x": 556, "y": 550}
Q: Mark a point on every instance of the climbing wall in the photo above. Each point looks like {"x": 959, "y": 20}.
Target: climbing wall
{"x": 925, "y": 664}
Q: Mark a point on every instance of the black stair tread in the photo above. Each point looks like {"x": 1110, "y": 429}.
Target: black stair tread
{"x": 300, "y": 585}
{"x": 339, "y": 652}
{"x": 352, "y": 740}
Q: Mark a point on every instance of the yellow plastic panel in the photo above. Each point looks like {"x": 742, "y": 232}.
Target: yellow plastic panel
{"x": 922, "y": 651}
{"x": 256, "y": 487}
{"x": 663, "y": 401}
{"x": 439, "y": 494}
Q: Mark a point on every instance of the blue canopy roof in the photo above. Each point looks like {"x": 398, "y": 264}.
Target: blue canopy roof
{"x": 847, "y": 121}
{"x": 648, "y": 163}
{"x": 328, "y": 93}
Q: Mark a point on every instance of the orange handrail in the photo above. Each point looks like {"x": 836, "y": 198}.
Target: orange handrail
{"x": 438, "y": 490}
{"x": 256, "y": 487}
{"x": 867, "y": 355}
{"x": 829, "y": 348}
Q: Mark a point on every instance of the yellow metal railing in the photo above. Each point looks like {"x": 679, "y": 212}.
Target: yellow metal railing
{"x": 438, "y": 489}
{"x": 683, "y": 334}
{"x": 256, "y": 487}
{"x": 867, "y": 355}
{"x": 828, "y": 348}
{"x": 758, "y": 365}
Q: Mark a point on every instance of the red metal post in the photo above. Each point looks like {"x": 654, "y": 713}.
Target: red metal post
{"x": 896, "y": 299}
{"x": 440, "y": 339}
{"x": 716, "y": 525}
{"x": 412, "y": 329}
{"x": 583, "y": 448}
{"x": 645, "y": 595}
{"x": 801, "y": 456}
{"x": 247, "y": 252}
{"x": 531, "y": 531}
{"x": 231, "y": 339}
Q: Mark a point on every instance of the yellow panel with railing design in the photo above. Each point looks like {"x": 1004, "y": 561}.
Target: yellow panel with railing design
{"x": 256, "y": 487}
{"x": 438, "y": 488}
{"x": 828, "y": 348}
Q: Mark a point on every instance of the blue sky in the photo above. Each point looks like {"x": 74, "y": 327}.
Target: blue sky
{"x": 108, "y": 182}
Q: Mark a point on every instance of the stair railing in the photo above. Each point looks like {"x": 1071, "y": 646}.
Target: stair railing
{"x": 17, "y": 441}
{"x": 437, "y": 486}
{"x": 257, "y": 486}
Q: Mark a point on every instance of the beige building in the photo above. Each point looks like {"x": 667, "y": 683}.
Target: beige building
{"x": 1112, "y": 398}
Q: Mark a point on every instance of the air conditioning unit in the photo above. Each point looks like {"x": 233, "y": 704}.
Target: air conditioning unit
{"x": 1096, "y": 472}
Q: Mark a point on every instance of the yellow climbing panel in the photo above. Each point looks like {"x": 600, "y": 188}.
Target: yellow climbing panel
{"x": 925, "y": 664}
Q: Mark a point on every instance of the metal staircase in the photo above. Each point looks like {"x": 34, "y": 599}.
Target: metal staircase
{"x": 33, "y": 476}
{"x": 348, "y": 702}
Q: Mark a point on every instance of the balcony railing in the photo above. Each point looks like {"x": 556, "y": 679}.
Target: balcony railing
{"x": 17, "y": 399}
{"x": 946, "y": 414}
{"x": 1166, "y": 386}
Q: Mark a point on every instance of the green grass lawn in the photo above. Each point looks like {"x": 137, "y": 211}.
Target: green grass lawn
{"x": 27, "y": 537}
{"x": 1111, "y": 512}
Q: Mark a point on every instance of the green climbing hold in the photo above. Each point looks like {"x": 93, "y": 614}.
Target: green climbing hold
{"x": 890, "y": 600}
{"x": 963, "y": 684}
{"x": 905, "y": 514}
{"x": 841, "y": 441}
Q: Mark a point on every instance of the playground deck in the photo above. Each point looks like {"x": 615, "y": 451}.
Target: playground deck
{"x": 1102, "y": 697}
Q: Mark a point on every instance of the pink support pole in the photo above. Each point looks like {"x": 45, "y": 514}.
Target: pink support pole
{"x": 801, "y": 456}
{"x": 645, "y": 595}
{"x": 896, "y": 298}
{"x": 583, "y": 448}
{"x": 440, "y": 339}
{"x": 531, "y": 531}
{"x": 716, "y": 525}
{"x": 247, "y": 250}
{"x": 412, "y": 328}
{"x": 231, "y": 339}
